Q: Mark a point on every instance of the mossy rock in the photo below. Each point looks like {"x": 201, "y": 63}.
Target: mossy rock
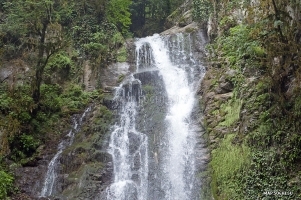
{"x": 186, "y": 19}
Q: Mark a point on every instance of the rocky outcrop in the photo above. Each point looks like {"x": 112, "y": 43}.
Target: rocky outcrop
{"x": 181, "y": 17}
{"x": 14, "y": 72}
{"x": 216, "y": 89}
{"x": 86, "y": 167}
{"x": 88, "y": 79}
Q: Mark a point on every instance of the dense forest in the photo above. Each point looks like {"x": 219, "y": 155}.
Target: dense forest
{"x": 252, "y": 118}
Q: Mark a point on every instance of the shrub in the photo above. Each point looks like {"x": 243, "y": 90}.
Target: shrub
{"x": 201, "y": 10}
{"x": 29, "y": 143}
{"x": 6, "y": 184}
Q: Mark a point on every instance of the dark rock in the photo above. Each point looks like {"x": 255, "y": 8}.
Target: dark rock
{"x": 101, "y": 156}
{"x": 30, "y": 179}
{"x": 110, "y": 103}
{"x": 224, "y": 87}
{"x": 228, "y": 86}
{"x": 5, "y": 73}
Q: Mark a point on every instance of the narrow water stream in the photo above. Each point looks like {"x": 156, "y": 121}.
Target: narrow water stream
{"x": 52, "y": 170}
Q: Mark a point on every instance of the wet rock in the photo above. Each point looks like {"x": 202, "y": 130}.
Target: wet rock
{"x": 209, "y": 95}
{"x": 30, "y": 179}
{"x": 110, "y": 76}
{"x": 101, "y": 156}
{"x": 110, "y": 103}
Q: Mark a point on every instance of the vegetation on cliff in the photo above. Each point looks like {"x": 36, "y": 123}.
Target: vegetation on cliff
{"x": 43, "y": 45}
{"x": 252, "y": 100}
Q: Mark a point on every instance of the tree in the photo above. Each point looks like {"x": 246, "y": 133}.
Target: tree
{"x": 118, "y": 13}
{"x": 148, "y": 16}
{"x": 277, "y": 27}
{"x": 137, "y": 9}
{"x": 36, "y": 24}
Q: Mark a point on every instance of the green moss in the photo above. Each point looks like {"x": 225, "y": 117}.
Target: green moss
{"x": 120, "y": 78}
{"x": 258, "y": 51}
{"x": 148, "y": 88}
{"x": 232, "y": 110}
{"x": 175, "y": 13}
{"x": 227, "y": 161}
{"x": 122, "y": 54}
{"x": 190, "y": 30}
{"x": 173, "y": 16}
{"x": 182, "y": 19}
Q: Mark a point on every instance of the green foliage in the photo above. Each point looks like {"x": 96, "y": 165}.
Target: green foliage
{"x": 5, "y": 102}
{"x": 27, "y": 20}
{"x": 149, "y": 17}
{"x": 202, "y": 10}
{"x": 118, "y": 13}
{"x": 59, "y": 61}
{"x": 238, "y": 45}
{"x": 266, "y": 175}
{"x": 50, "y": 98}
{"x": 43, "y": 34}
{"x": 297, "y": 107}
{"x": 74, "y": 98}
{"x": 6, "y": 184}
{"x": 263, "y": 49}
{"x": 122, "y": 55}
{"x": 100, "y": 43}
{"x": 29, "y": 143}
{"x": 228, "y": 160}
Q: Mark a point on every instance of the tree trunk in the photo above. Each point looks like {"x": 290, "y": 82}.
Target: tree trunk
{"x": 40, "y": 66}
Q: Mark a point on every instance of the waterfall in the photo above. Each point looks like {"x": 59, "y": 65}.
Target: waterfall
{"x": 128, "y": 148}
{"x": 154, "y": 161}
{"x": 51, "y": 174}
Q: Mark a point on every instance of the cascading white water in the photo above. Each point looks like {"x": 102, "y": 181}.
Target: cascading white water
{"x": 51, "y": 175}
{"x": 129, "y": 148}
{"x": 176, "y": 65}
{"x": 176, "y": 174}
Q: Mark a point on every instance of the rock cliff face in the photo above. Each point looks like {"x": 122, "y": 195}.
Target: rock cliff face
{"x": 181, "y": 17}
{"x": 83, "y": 169}
{"x": 86, "y": 167}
